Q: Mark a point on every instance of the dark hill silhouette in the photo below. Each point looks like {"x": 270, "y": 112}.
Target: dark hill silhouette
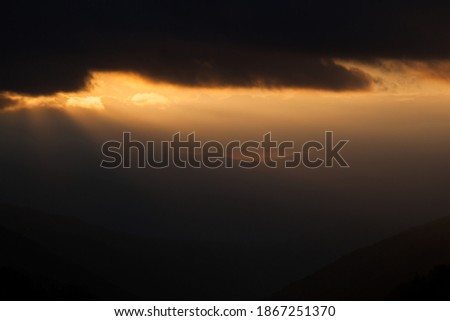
{"x": 52, "y": 256}
{"x": 409, "y": 266}
{"x": 48, "y": 256}
{"x": 55, "y": 257}
{"x": 433, "y": 286}
{"x": 30, "y": 272}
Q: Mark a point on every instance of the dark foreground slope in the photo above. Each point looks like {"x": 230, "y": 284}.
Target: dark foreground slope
{"x": 411, "y": 265}
{"x": 30, "y": 272}
{"x": 45, "y": 256}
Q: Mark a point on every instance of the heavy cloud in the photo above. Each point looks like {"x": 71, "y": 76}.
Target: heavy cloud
{"x": 51, "y": 46}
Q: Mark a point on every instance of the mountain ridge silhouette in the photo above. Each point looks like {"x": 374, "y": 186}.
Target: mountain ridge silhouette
{"x": 376, "y": 272}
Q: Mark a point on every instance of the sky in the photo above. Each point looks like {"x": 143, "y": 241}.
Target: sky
{"x": 377, "y": 73}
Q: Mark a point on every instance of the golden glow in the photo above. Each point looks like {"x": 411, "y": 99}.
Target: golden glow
{"x": 405, "y": 111}
{"x": 404, "y": 93}
{"x": 90, "y": 102}
{"x": 113, "y": 90}
{"x": 149, "y": 99}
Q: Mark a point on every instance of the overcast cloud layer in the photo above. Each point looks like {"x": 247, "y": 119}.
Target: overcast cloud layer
{"x": 50, "y": 46}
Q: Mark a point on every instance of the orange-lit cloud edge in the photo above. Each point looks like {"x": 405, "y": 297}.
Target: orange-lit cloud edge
{"x": 115, "y": 89}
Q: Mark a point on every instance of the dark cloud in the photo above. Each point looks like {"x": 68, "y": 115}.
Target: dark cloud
{"x": 193, "y": 64}
{"x": 52, "y": 45}
{"x": 185, "y": 63}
